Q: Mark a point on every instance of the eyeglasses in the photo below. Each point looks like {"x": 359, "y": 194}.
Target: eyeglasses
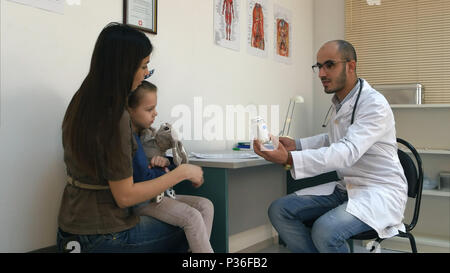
{"x": 327, "y": 65}
{"x": 150, "y": 73}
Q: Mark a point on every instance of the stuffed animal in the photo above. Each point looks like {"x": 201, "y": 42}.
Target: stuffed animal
{"x": 156, "y": 143}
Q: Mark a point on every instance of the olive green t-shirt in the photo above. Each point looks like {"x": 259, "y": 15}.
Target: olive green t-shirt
{"x": 86, "y": 211}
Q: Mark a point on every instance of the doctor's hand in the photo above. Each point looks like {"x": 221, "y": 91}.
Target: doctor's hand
{"x": 279, "y": 156}
{"x": 288, "y": 143}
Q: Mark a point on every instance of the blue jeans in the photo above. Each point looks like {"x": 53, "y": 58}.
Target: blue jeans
{"x": 332, "y": 224}
{"x": 149, "y": 235}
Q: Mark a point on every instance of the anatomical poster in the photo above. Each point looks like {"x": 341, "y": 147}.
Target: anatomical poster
{"x": 257, "y": 28}
{"x": 283, "y": 34}
{"x": 227, "y": 24}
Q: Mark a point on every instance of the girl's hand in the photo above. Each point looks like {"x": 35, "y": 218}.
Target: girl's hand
{"x": 194, "y": 174}
{"x": 159, "y": 161}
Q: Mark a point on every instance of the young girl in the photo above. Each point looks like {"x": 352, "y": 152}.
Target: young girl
{"x": 192, "y": 213}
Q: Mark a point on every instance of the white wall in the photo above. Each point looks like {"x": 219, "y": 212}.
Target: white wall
{"x": 329, "y": 23}
{"x": 45, "y": 57}
{"x": 189, "y": 64}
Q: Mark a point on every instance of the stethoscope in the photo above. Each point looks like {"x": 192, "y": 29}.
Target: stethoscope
{"x": 327, "y": 119}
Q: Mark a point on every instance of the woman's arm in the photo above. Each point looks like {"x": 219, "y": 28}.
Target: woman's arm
{"x": 127, "y": 193}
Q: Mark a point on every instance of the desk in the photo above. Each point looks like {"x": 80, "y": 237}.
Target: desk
{"x": 215, "y": 188}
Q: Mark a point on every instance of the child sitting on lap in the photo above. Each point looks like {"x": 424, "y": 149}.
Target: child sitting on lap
{"x": 192, "y": 213}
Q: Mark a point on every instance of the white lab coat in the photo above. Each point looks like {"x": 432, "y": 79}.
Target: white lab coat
{"x": 364, "y": 155}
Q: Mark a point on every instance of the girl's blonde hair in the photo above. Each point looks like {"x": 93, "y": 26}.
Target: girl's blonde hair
{"x": 136, "y": 96}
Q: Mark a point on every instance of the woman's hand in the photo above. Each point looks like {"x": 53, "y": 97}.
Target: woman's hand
{"x": 159, "y": 161}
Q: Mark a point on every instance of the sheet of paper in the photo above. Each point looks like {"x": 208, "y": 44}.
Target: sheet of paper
{"x": 225, "y": 156}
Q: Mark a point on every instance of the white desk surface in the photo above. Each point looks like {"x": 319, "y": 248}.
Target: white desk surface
{"x": 228, "y": 163}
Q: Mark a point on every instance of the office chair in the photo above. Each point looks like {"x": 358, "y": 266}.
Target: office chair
{"x": 414, "y": 176}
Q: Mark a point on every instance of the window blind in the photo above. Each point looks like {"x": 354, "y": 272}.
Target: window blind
{"x": 402, "y": 41}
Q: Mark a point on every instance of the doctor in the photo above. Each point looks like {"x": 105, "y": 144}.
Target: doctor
{"x": 361, "y": 146}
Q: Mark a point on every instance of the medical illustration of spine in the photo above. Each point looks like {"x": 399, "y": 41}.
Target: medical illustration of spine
{"x": 282, "y": 38}
{"x": 258, "y": 27}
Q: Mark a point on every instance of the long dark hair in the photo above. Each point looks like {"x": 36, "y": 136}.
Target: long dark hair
{"x": 91, "y": 123}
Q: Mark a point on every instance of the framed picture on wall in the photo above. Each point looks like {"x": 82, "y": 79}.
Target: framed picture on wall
{"x": 141, "y": 14}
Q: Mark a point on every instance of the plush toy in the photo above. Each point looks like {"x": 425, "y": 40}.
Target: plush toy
{"x": 156, "y": 143}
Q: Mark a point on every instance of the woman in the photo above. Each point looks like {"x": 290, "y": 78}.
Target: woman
{"x": 98, "y": 149}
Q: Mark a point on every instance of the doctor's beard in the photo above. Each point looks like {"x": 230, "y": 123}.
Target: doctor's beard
{"x": 339, "y": 82}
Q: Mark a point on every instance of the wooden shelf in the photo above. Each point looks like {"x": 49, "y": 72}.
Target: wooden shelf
{"x": 430, "y": 151}
{"x": 433, "y": 151}
{"x": 436, "y": 193}
{"x": 419, "y": 106}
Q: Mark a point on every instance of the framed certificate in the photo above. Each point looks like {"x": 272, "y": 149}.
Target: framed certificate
{"x": 140, "y": 14}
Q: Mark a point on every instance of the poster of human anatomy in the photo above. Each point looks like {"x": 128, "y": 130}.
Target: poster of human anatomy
{"x": 283, "y": 34}
{"x": 257, "y": 28}
{"x": 226, "y": 23}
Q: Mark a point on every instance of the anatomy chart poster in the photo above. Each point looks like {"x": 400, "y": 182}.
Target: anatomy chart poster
{"x": 257, "y": 28}
{"x": 283, "y": 34}
{"x": 226, "y": 23}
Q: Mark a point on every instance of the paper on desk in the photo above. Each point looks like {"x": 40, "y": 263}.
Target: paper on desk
{"x": 225, "y": 156}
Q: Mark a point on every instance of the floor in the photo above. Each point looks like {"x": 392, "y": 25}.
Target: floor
{"x": 270, "y": 247}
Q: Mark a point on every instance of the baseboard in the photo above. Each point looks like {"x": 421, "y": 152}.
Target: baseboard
{"x": 49, "y": 249}
{"x": 264, "y": 234}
